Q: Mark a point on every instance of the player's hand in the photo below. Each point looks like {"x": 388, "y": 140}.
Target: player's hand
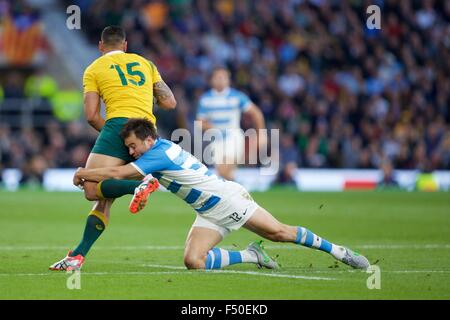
{"x": 77, "y": 180}
{"x": 262, "y": 140}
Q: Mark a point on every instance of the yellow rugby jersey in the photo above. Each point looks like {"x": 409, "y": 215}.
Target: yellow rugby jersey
{"x": 124, "y": 81}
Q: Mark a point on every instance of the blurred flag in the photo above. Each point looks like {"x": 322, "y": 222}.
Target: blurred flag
{"x": 21, "y": 38}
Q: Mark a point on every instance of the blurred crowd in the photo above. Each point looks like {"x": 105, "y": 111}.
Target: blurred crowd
{"x": 342, "y": 95}
{"x": 34, "y": 131}
{"x": 56, "y": 145}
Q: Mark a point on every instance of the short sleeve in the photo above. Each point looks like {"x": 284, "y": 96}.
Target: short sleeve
{"x": 156, "y": 76}
{"x": 89, "y": 82}
{"x": 244, "y": 102}
{"x": 152, "y": 161}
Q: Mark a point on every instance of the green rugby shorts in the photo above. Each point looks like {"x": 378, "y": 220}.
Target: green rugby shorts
{"x": 109, "y": 141}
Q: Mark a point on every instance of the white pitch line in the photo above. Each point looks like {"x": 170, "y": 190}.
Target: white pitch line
{"x": 164, "y": 266}
{"x": 281, "y": 275}
{"x": 24, "y": 274}
{"x": 52, "y": 273}
{"x": 382, "y": 271}
{"x": 264, "y": 274}
{"x": 277, "y": 247}
{"x": 313, "y": 271}
{"x": 169, "y": 272}
{"x": 377, "y": 246}
{"x": 416, "y": 271}
{"x": 275, "y": 275}
{"x": 403, "y": 246}
{"x": 32, "y": 248}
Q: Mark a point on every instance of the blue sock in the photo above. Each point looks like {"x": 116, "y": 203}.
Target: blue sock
{"x": 218, "y": 258}
{"x": 311, "y": 240}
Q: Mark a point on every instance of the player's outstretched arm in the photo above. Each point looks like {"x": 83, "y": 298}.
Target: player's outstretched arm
{"x": 127, "y": 171}
{"x": 164, "y": 95}
{"x": 257, "y": 116}
{"x": 259, "y": 123}
{"x": 92, "y": 110}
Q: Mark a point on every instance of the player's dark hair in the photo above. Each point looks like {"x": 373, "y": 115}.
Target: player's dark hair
{"x": 142, "y": 128}
{"x": 113, "y": 35}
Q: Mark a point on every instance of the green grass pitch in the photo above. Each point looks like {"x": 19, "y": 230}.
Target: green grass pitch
{"x": 141, "y": 256}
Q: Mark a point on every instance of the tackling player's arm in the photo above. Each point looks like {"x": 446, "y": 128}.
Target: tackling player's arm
{"x": 127, "y": 171}
{"x": 164, "y": 95}
{"x": 92, "y": 110}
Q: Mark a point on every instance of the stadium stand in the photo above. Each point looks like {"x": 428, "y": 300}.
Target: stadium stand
{"x": 343, "y": 96}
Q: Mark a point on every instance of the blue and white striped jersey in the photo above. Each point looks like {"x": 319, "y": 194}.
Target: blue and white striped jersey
{"x": 223, "y": 109}
{"x": 182, "y": 174}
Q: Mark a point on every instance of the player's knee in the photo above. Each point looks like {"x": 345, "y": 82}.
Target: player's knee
{"x": 194, "y": 262}
{"x": 90, "y": 191}
{"x": 90, "y": 194}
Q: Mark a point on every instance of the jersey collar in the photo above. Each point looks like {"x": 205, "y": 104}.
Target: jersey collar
{"x": 113, "y": 52}
{"x": 224, "y": 92}
{"x": 157, "y": 142}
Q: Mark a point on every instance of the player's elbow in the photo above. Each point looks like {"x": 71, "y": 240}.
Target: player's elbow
{"x": 91, "y": 121}
{"x": 257, "y": 116}
{"x": 168, "y": 104}
{"x": 91, "y": 118}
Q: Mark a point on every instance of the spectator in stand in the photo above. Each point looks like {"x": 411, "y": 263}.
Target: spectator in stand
{"x": 33, "y": 172}
{"x": 388, "y": 179}
{"x": 14, "y": 86}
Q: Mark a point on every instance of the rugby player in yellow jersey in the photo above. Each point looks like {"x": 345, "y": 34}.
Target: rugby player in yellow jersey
{"x": 127, "y": 83}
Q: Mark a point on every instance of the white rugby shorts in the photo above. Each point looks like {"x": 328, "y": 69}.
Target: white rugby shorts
{"x": 232, "y": 212}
